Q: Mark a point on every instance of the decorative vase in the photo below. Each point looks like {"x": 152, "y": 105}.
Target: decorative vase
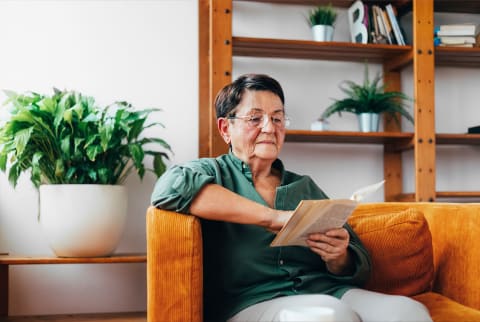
{"x": 83, "y": 220}
{"x": 368, "y": 122}
{"x": 322, "y": 32}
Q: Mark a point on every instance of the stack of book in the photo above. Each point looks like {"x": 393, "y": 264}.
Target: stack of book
{"x": 457, "y": 35}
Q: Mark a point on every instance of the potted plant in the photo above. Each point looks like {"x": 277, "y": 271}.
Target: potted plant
{"x": 368, "y": 101}
{"x": 72, "y": 148}
{"x": 321, "y": 20}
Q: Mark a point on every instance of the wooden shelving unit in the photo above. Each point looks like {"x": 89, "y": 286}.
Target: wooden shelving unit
{"x": 218, "y": 46}
{"x": 8, "y": 260}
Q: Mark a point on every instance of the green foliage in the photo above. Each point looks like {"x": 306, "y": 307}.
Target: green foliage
{"x": 322, "y": 15}
{"x": 369, "y": 97}
{"x": 66, "y": 138}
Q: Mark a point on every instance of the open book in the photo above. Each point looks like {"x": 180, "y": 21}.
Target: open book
{"x": 313, "y": 216}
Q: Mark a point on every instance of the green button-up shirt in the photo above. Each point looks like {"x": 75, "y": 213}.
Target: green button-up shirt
{"x": 240, "y": 267}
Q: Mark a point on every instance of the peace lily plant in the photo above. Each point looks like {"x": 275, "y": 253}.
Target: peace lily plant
{"x": 66, "y": 138}
{"x": 78, "y": 154}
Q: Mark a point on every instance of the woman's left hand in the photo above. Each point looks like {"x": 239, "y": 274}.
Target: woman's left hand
{"x": 332, "y": 247}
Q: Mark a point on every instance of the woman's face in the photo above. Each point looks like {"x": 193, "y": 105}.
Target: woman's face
{"x": 251, "y": 137}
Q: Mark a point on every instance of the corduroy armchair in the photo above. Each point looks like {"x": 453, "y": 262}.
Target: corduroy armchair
{"x": 424, "y": 250}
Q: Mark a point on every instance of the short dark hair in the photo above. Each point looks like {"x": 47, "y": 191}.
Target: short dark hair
{"x": 230, "y": 96}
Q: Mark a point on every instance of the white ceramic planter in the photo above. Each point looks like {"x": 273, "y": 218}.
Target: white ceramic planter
{"x": 322, "y": 33}
{"x": 83, "y": 220}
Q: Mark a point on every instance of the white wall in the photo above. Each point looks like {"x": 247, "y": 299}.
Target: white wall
{"x": 141, "y": 51}
{"x": 145, "y": 51}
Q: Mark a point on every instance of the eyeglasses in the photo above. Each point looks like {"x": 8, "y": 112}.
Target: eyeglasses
{"x": 259, "y": 120}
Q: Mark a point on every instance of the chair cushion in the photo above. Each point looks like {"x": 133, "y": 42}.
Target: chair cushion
{"x": 443, "y": 309}
{"x": 400, "y": 246}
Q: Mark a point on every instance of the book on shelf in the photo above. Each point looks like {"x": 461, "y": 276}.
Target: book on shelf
{"x": 457, "y": 45}
{"x": 395, "y": 25}
{"x": 474, "y": 130}
{"x": 312, "y": 216}
{"x": 382, "y": 25}
{"x": 465, "y": 29}
{"x": 457, "y": 40}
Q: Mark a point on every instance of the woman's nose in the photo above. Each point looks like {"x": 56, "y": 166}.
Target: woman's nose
{"x": 268, "y": 125}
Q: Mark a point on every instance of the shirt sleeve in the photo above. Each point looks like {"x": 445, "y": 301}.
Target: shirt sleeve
{"x": 179, "y": 185}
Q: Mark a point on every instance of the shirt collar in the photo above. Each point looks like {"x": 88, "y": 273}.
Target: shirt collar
{"x": 245, "y": 168}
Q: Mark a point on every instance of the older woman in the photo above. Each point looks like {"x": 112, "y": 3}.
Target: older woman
{"x": 243, "y": 198}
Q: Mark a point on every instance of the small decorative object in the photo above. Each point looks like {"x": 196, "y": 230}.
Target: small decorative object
{"x": 357, "y": 19}
{"x": 320, "y": 125}
{"x": 321, "y": 19}
{"x": 369, "y": 98}
{"x": 72, "y": 148}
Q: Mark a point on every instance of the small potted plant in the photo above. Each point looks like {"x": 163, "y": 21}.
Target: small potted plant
{"x": 73, "y": 148}
{"x": 368, "y": 101}
{"x": 321, "y": 20}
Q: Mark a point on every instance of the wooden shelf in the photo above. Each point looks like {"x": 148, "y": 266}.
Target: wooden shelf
{"x": 309, "y": 49}
{"x": 116, "y": 258}
{"x": 457, "y": 139}
{"x": 7, "y": 260}
{"x": 460, "y": 6}
{"x": 457, "y": 57}
{"x": 346, "y": 51}
{"x": 101, "y": 317}
{"x": 397, "y": 138}
{"x": 401, "y": 139}
{"x": 457, "y": 195}
{"x": 335, "y": 3}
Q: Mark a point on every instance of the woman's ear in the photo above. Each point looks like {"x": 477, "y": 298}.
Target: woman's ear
{"x": 223, "y": 124}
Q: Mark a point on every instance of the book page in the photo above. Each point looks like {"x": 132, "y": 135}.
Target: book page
{"x": 361, "y": 193}
{"x": 312, "y": 216}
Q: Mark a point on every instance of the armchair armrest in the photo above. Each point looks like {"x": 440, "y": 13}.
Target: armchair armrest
{"x": 455, "y": 232}
{"x": 174, "y": 267}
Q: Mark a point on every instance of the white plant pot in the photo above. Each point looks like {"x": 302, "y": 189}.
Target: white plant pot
{"x": 368, "y": 122}
{"x": 83, "y": 220}
{"x": 322, "y": 33}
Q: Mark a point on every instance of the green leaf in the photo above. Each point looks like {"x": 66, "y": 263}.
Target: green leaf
{"x": 13, "y": 174}
{"x": 159, "y": 166}
{"x": 21, "y": 140}
{"x": 137, "y": 154}
{"x": 65, "y": 145}
{"x": 59, "y": 168}
{"x": 93, "y": 151}
{"x": 106, "y": 133}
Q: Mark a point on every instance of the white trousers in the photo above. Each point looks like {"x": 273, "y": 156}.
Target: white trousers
{"x": 356, "y": 305}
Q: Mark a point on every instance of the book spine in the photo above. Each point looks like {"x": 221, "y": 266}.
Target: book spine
{"x": 396, "y": 28}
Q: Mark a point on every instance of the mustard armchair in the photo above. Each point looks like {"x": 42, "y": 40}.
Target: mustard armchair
{"x": 424, "y": 250}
